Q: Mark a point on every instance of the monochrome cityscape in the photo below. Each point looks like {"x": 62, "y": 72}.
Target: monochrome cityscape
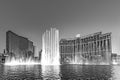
{"x": 91, "y": 49}
{"x": 60, "y": 40}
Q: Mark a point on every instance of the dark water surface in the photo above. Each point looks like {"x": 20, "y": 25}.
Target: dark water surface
{"x": 62, "y": 72}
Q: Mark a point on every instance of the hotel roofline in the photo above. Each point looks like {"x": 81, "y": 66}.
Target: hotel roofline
{"x": 92, "y": 34}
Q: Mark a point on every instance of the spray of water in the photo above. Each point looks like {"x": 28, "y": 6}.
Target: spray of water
{"x": 50, "y": 47}
{"x": 13, "y": 62}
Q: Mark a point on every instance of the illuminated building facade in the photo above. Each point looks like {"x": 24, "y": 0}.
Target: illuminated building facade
{"x": 91, "y": 48}
{"x": 50, "y": 47}
{"x": 18, "y": 46}
{"x": 67, "y": 50}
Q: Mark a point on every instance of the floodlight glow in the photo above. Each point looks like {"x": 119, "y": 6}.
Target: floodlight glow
{"x": 114, "y": 62}
{"x": 14, "y": 62}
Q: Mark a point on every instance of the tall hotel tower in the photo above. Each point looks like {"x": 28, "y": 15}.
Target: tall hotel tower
{"x": 50, "y": 47}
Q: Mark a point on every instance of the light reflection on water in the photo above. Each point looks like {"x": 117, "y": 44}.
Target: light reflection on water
{"x": 87, "y": 72}
{"x": 51, "y": 72}
{"x": 116, "y": 72}
{"x": 61, "y": 72}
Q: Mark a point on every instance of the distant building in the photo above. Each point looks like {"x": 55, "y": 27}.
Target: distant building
{"x": 115, "y": 58}
{"x": 40, "y": 52}
{"x": 18, "y": 46}
{"x": 67, "y": 50}
{"x": 12, "y": 44}
{"x": 2, "y": 58}
{"x": 30, "y": 49}
{"x": 94, "y": 47}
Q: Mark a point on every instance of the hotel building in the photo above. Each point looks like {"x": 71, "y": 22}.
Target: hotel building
{"x": 18, "y": 46}
{"x": 94, "y": 47}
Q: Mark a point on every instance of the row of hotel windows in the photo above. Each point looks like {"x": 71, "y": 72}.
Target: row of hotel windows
{"x": 84, "y": 47}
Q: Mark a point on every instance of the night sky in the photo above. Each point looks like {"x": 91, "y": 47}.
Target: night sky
{"x": 30, "y": 18}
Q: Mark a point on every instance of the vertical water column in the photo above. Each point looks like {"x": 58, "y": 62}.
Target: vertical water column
{"x": 50, "y": 46}
{"x": 43, "y": 50}
{"x": 57, "y": 47}
{"x": 47, "y": 53}
{"x": 54, "y": 52}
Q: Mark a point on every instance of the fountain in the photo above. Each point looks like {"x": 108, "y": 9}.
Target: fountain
{"x": 14, "y": 62}
{"x": 50, "y": 46}
{"x": 50, "y": 51}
